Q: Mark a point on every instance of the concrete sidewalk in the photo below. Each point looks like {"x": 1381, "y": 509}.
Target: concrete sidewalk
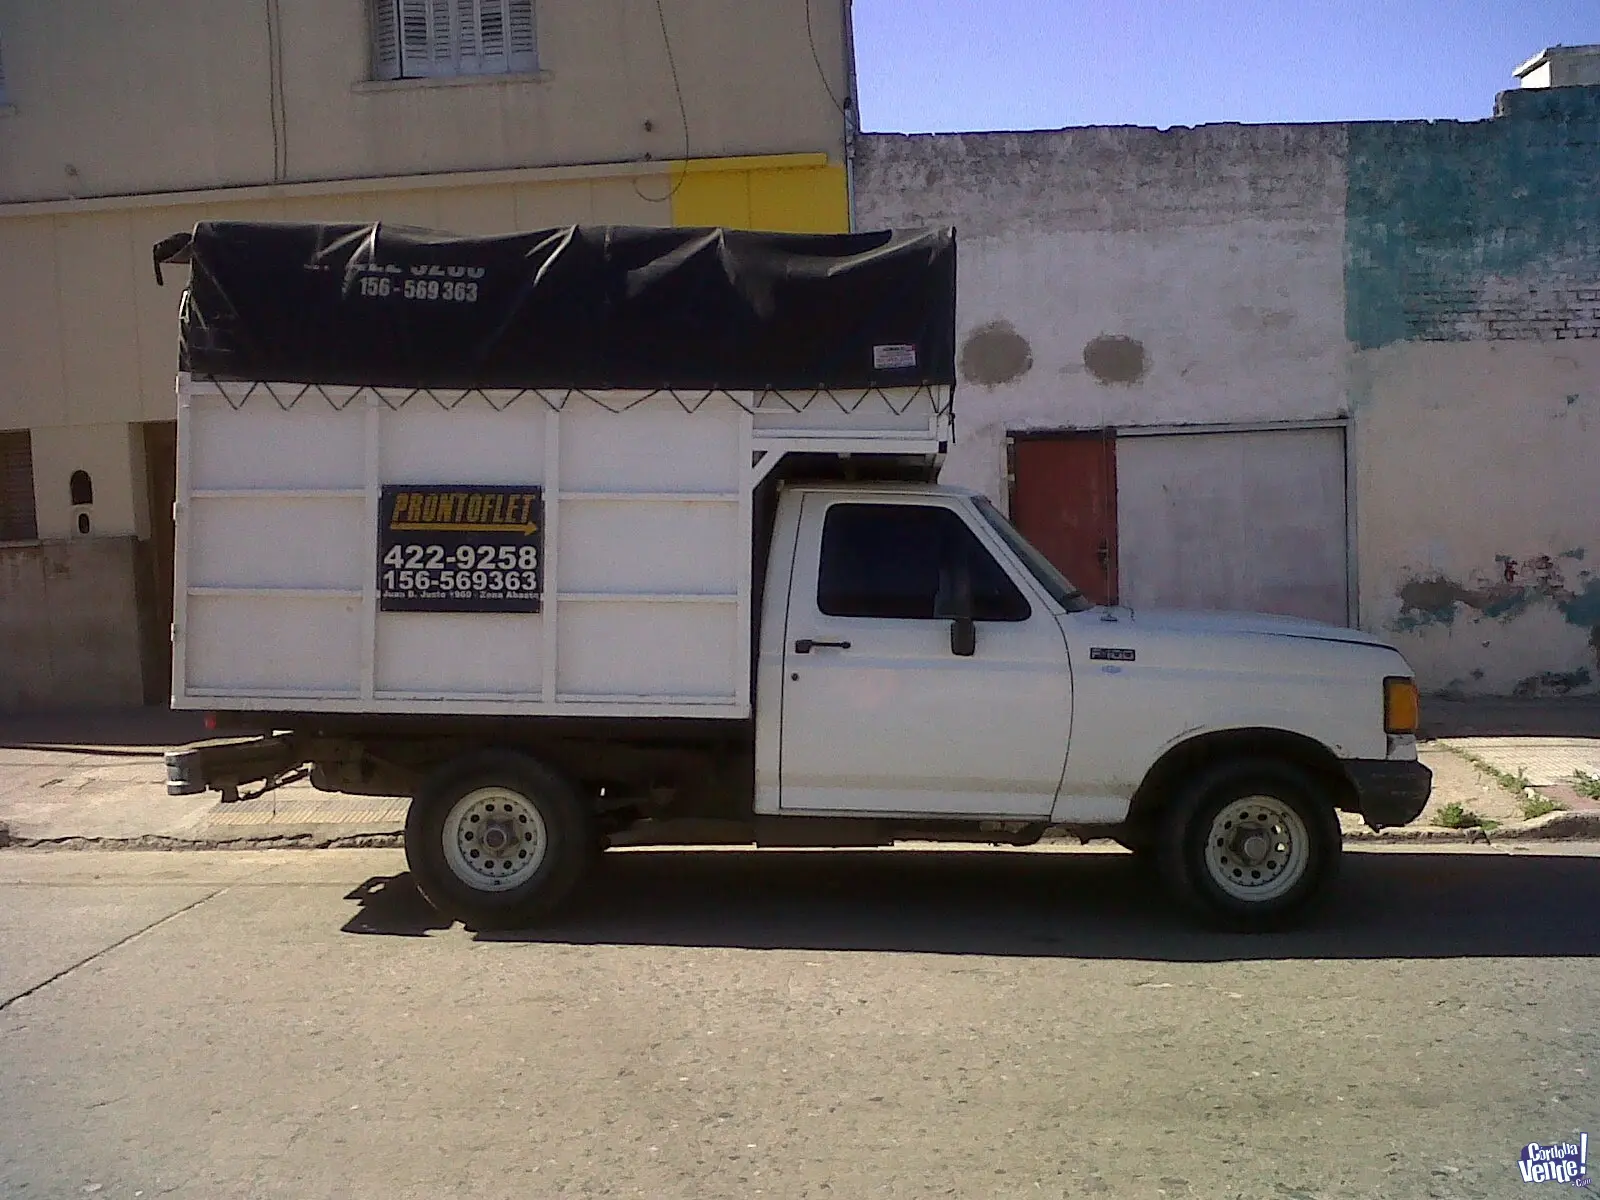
{"x": 87, "y": 779}
{"x": 98, "y": 778}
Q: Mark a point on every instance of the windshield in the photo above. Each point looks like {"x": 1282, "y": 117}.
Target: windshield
{"x": 1040, "y": 567}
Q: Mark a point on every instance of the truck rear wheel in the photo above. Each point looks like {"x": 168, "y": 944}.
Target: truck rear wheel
{"x": 1251, "y": 844}
{"x": 497, "y": 839}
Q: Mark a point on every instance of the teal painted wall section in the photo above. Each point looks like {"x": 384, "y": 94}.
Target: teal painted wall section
{"x": 1467, "y": 231}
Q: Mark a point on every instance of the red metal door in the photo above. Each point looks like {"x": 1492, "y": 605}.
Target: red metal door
{"x": 1064, "y": 500}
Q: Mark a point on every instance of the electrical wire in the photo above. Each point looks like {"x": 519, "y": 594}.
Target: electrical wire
{"x": 272, "y": 86}
{"x": 683, "y": 114}
{"x": 283, "y": 104}
{"x": 811, "y": 36}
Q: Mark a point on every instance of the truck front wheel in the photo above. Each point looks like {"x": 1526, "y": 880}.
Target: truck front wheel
{"x": 1250, "y": 844}
{"x": 497, "y": 839}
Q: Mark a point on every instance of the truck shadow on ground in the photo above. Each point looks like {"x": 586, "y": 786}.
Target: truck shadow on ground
{"x": 1390, "y": 905}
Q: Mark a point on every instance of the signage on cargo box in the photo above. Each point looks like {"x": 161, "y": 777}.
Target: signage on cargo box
{"x": 467, "y": 548}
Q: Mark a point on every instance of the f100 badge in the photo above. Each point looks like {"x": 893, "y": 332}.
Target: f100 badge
{"x": 468, "y": 548}
{"x": 1112, "y": 654}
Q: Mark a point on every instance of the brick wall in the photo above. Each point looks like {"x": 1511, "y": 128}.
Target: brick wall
{"x": 1502, "y": 308}
{"x": 1477, "y": 230}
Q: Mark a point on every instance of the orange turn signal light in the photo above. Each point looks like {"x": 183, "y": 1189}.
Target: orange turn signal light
{"x": 1402, "y": 705}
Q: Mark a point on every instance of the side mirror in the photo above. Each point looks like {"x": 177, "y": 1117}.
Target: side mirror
{"x": 963, "y": 630}
{"x": 963, "y": 637}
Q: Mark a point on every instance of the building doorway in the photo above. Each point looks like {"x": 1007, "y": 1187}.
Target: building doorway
{"x": 161, "y": 486}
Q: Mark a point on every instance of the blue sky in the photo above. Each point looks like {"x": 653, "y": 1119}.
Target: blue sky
{"x": 939, "y": 65}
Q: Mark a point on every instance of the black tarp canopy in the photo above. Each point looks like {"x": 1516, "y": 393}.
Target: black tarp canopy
{"x": 578, "y": 307}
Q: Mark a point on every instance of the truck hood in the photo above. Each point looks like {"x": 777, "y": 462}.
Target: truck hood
{"x": 1225, "y": 624}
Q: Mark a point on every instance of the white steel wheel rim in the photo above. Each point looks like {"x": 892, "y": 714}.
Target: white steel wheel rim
{"x": 494, "y": 839}
{"x": 1257, "y": 848}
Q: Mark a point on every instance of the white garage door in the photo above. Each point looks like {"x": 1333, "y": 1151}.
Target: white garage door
{"x": 1244, "y": 522}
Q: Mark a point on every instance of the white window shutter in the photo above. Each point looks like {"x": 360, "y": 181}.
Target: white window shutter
{"x": 467, "y": 37}
{"x": 522, "y": 45}
{"x": 492, "y": 33}
{"x": 420, "y": 38}
{"x": 441, "y": 32}
{"x": 385, "y": 40}
{"x": 415, "y": 40}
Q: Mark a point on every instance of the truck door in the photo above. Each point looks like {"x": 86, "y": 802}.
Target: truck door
{"x": 886, "y": 710}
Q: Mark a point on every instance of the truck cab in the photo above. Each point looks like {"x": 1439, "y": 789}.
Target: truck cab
{"x": 919, "y": 657}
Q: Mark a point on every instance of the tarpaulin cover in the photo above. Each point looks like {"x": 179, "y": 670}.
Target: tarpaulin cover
{"x": 577, "y": 307}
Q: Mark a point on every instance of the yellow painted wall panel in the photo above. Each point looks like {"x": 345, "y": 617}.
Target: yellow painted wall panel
{"x": 479, "y": 210}
{"x": 711, "y": 198}
{"x": 783, "y": 199}
{"x": 98, "y": 295}
{"x": 542, "y": 205}
{"x": 31, "y": 389}
{"x": 641, "y": 200}
{"x": 809, "y": 200}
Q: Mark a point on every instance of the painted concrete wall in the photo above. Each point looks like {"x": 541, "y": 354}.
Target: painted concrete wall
{"x": 1480, "y": 512}
{"x": 1439, "y": 282}
{"x": 1117, "y": 276}
{"x": 70, "y": 634}
{"x": 128, "y": 123}
{"x": 1474, "y": 321}
{"x": 117, "y": 99}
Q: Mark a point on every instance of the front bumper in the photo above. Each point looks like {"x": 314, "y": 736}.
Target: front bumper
{"x": 1389, "y": 791}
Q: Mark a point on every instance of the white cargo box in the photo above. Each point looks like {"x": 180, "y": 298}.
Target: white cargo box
{"x": 643, "y": 546}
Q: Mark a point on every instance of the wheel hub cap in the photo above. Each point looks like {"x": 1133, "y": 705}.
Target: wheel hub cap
{"x": 494, "y": 838}
{"x": 1258, "y": 848}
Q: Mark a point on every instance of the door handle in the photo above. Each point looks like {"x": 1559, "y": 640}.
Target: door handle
{"x": 1104, "y": 555}
{"x": 806, "y": 645}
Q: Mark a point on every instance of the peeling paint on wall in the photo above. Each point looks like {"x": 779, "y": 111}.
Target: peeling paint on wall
{"x": 1553, "y": 683}
{"x": 1436, "y": 599}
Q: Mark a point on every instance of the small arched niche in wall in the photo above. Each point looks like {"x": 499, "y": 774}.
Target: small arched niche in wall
{"x": 82, "y": 489}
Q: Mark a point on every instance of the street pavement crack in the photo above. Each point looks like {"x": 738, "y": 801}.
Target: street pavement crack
{"x": 105, "y": 950}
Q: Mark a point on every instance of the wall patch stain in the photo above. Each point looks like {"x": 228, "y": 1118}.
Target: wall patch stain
{"x": 1113, "y": 358}
{"x": 994, "y": 354}
{"x": 1553, "y": 683}
{"x": 1252, "y": 320}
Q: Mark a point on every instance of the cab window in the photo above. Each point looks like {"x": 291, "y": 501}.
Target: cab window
{"x": 905, "y": 561}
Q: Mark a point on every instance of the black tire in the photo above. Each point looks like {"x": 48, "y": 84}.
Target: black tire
{"x": 1139, "y": 841}
{"x": 532, "y": 796}
{"x": 1207, "y": 845}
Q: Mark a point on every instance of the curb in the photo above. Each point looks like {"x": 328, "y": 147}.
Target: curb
{"x": 292, "y": 841}
{"x": 1552, "y": 827}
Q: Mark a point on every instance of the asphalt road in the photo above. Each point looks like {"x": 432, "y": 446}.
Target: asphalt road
{"x": 732, "y": 1024}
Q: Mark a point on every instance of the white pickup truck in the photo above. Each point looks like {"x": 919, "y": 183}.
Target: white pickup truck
{"x": 604, "y": 534}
